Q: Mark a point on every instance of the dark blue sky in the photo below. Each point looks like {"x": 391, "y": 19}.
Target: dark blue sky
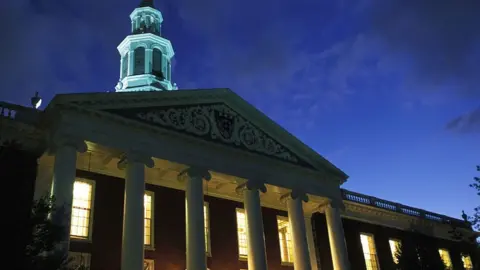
{"x": 386, "y": 90}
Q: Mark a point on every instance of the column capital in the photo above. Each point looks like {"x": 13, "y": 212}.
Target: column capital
{"x": 293, "y": 195}
{"x": 135, "y": 156}
{"x": 329, "y": 203}
{"x": 194, "y": 173}
{"x": 251, "y": 185}
{"x": 61, "y": 139}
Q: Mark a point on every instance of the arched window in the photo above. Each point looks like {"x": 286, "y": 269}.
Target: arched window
{"x": 157, "y": 63}
{"x": 124, "y": 65}
{"x": 139, "y": 61}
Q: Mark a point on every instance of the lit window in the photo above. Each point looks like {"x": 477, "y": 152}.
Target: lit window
{"x": 81, "y": 209}
{"x": 467, "y": 262}
{"x": 285, "y": 238}
{"x": 369, "y": 251}
{"x": 207, "y": 228}
{"x": 148, "y": 215}
{"x": 78, "y": 260}
{"x": 148, "y": 264}
{"x": 445, "y": 258}
{"x": 394, "y": 248}
{"x": 242, "y": 233}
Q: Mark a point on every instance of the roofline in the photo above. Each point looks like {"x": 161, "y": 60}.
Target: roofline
{"x": 360, "y": 198}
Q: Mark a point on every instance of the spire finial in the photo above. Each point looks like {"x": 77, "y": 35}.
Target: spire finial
{"x": 146, "y": 3}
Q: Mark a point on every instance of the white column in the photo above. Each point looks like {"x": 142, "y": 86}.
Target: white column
{"x": 257, "y": 258}
{"x": 336, "y": 236}
{"x": 131, "y": 62}
{"x": 296, "y": 220}
{"x": 133, "y": 214}
{"x": 311, "y": 243}
{"x": 194, "y": 214}
{"x": 148, "y": 61}
{"x": 64, "y": 173}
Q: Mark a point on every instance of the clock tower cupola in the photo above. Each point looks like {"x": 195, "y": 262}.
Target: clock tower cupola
{"x": 145, "y": 56}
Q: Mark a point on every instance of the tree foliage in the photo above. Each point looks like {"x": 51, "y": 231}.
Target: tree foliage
{"x": 41, "y": 252}
{"x": 475, "y": 219}
{"x": 417, "y": 254}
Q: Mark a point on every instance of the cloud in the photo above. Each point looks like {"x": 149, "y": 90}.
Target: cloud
{"x": 440, "y": 38}
{"x": 467, "y": 123}
{"x": 47, "y": 46}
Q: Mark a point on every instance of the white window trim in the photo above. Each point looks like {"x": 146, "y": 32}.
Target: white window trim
{"x": 92, "y": 207}
{"x": 285, "y": 263}
{"x": 209, "y": 244}
{"x": 375, "y": 247}
{"x": 241, "y": 257}
{"x": 152, "y": 222}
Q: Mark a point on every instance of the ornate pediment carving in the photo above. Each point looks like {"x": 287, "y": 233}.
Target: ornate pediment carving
{"x": 215, "y": 122}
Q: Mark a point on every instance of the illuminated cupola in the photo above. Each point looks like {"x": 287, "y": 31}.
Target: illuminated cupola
{"x": 145, "y": 56}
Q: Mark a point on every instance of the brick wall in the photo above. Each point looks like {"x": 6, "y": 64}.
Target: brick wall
{"x": 169, "y": 232}
{"x": 18, "y": 170}
{"x": 353, "y": 228}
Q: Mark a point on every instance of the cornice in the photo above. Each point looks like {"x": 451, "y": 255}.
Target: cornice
{"x": 112, "y": 118}
{"x": 150, "y": 40}
{"x": 386, "y": 218}
{"x": 29, "y": 137}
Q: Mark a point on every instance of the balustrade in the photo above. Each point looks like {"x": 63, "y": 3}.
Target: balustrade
{"x": 399, "y": 208}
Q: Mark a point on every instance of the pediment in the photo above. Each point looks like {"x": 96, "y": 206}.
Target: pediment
{"x": 215, "y": 122}
{"x": 215, "y": 115}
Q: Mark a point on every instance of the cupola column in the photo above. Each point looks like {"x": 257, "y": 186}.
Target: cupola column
{"x": 131, "y": 62}
{"x": 148, "y": 60}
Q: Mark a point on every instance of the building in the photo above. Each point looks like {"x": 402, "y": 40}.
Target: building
{"x": 165, "y": 179}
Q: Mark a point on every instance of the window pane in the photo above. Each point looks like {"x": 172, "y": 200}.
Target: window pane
{"x": 242, "y": 233}
{"x": 467, "y": 262}
{"x": 207, "y": 228}
{"x": 81, "y": 208}
{"x": 285, "y": 238}
{"x": 394, "y": 247}
{"x": 445, "y": 258}
{"x": 369, "y": 251}
{"x": 147, "y": 207}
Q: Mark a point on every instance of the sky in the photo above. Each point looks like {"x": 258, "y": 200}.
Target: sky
{"x": 388, "y": 91}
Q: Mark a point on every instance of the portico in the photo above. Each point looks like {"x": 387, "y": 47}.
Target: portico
{"x": 274, "y": 173}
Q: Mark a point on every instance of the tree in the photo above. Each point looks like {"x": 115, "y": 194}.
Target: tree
{"x": 415, "y": 253}
{"x": 475, "y": 219}
{"x": 407, "y": 257}
{"x": 41, "y": 251}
